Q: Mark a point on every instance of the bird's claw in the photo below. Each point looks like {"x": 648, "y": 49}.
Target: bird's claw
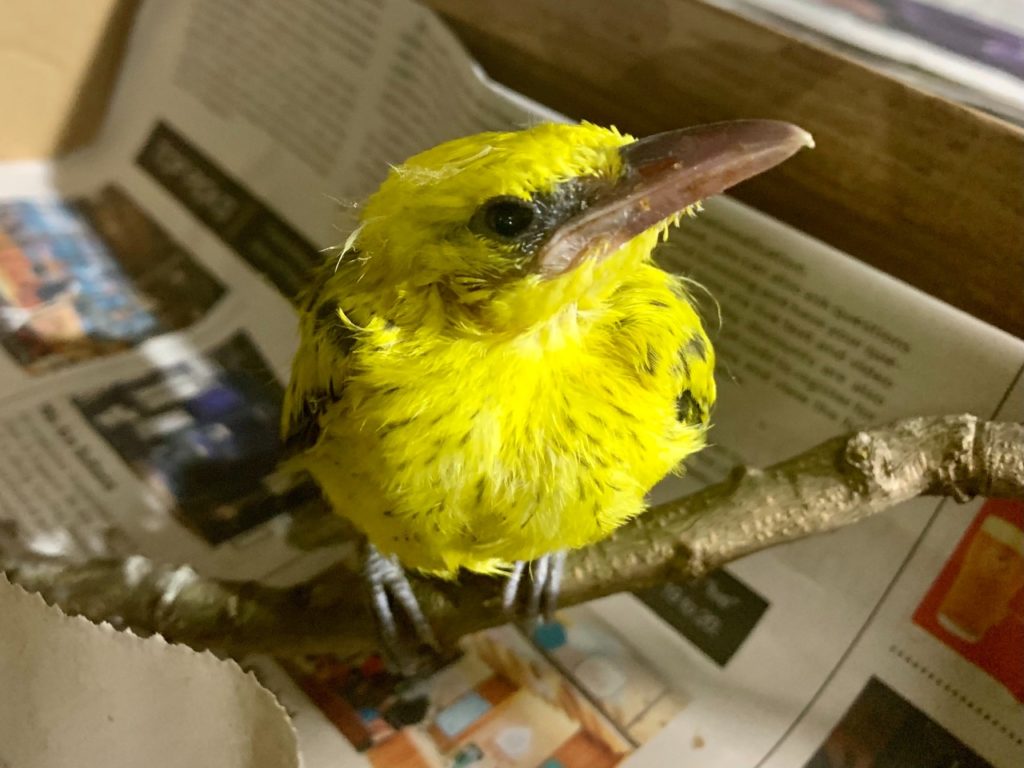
{"x": 545, "y": 580}
{"x": 388, "y": 586}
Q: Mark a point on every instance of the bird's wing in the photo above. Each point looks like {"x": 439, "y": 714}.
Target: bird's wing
{"x": 696, "y": 385}
{"x": 319, "y": 372}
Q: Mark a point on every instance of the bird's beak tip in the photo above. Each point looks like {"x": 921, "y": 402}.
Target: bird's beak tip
{"x": 665, "y": 174}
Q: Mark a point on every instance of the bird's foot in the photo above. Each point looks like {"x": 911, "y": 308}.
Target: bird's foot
{"x": 541, "y": 597}
{"x": 390, "y": 589}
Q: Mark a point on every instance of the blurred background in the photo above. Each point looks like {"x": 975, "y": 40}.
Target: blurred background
{"x": 971, "y": 51}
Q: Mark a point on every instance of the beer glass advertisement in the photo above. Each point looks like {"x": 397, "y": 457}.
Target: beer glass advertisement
{"x": 976, "y": 605}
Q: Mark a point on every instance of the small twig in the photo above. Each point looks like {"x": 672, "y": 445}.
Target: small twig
{"x": 835, "y": 484}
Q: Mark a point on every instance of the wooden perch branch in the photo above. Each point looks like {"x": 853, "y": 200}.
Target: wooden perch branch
{"x": 835, "y": 484}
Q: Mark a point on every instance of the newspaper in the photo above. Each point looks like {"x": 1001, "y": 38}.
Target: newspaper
{"x": 147, "y": 333}
{"x": 970, "y": 51}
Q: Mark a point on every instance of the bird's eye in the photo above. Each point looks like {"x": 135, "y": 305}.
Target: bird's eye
{"x": 507, "y": 217}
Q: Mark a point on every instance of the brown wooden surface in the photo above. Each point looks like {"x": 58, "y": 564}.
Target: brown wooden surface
{"x": 926, "y": 190}
{"x": 58, "y": 65}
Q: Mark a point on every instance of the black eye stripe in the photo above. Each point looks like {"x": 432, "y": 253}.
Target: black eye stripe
{"x": 528, "y": 223}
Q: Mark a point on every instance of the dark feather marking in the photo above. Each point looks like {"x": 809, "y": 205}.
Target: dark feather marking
{"x": 481, "y": 486}
{"x": 684, "y": 367}
{"x": 388, "y": 513}
{"x": 304, "y": 430}
{"x": 659, "y": 303}
{"x": 302, "y": 435}
{"x": 688, "y": 410}
{"x": 623, "y": 411}
{"x": 465, "y": 439}
{"x": 650, "y": 363}
{"x": 390, "y": 427}
{"x": 342, "y": 337}
{"x": 696, "y": 347}
{"x": 570, "y": 424}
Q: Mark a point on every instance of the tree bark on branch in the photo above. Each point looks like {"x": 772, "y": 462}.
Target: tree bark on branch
{"x": 837, "y": 483}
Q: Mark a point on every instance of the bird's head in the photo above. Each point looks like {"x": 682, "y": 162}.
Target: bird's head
{"x": 504, "y": 229}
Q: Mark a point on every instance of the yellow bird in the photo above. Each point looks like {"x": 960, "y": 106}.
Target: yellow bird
{"x": 492, "y": 370}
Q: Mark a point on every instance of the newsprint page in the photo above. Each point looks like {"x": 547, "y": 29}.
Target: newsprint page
{"x": 147, "y": 332}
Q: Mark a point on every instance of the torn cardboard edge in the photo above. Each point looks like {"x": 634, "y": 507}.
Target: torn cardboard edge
{"x": 77, "y": 693}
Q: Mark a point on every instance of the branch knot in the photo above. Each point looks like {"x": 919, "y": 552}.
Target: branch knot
{"x": 958, "y": 468}
{"x": 872, "y": 459}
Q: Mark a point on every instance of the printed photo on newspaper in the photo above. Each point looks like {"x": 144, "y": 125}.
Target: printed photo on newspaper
{"x": 147, "y": 330}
